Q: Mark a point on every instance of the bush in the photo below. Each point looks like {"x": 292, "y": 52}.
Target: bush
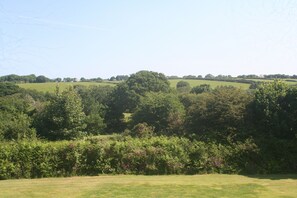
{"x": 142, "y": 130}
{"x": 155, "y": 155}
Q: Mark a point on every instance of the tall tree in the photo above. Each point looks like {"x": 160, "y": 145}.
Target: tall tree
{"x": 218, "y": 114}
{"x": 15, "y": 123}
{"x": 126, "y": 96}
{"x": 183, "y": 87}
{"x": 62, "y": 118}
{"x": 272, "y": 110}
{"x": 162, "y": 111}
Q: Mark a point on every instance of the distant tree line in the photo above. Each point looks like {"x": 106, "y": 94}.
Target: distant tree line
{"x": 227, "y": 78}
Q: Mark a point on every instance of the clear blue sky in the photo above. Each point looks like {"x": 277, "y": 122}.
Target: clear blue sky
{"x": 95, "y": 38}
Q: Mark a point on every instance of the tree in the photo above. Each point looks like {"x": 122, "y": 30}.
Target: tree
{"x": 122, "y": 77}
{"x": 16, "y": 126}
{"x": 218, "y": 114}
{"x": 58, "y": 79}
{"x": 268, "y": 110}
{"x": 62, "y": 118}
{"x": 148, "y": 81}
{"x": 162, "y": 111}
{"x": 8, "y": 89}
{"x": 42, "y": 79}
{"x": 15, "y": 123}
{"x": 200, "y": 89}
{"x": 119, "y": 102}
{"x": 183, "y": 87}
{"x": 289, "y": 112}
{"x": 127, "y": 95}
{"x": 94, "y": 101}
{"x": 209, "y": 76}
{"x": 142, "y": 130}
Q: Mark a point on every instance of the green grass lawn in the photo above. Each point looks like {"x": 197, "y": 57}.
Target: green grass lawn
{"x": 51, "y": 86}
{"x": 153, "y": 186}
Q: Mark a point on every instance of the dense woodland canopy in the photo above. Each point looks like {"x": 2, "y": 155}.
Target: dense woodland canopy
{"x": 144, "y": 106}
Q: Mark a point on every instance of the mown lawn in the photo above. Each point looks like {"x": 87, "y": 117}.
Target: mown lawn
{"x": 154, "y": 186}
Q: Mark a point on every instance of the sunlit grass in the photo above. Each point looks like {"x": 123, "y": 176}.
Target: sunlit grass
{"x": 213, "y": 84}
{"x": 51, "y": 86}
{"x": 153, "y": 186}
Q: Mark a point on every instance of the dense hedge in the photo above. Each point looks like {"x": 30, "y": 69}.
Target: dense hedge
{"x": 157, "y": 155}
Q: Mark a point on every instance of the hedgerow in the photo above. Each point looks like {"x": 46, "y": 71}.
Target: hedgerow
{"x": 156, "y": 155}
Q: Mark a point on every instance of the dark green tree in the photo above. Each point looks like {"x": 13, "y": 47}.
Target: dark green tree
{"x": 94, "y": 101}
{"x": 183, "y": 87}
{"x": 270, "y": 110}
{"x": 8, "y": 89}
{"x": 219, "y": 114}
{"x": 289, "y": 114}
{"x": 162, "y": 111}
{"x": 42, "y": 79}
{"x": 148, "y": 81}
{"x": 62, "y": 118}
{"x": 201, "y": 88}
{"x": 16, "y": 126}
{"x": 15, "y": 122}
{"x": 127, "y": 95}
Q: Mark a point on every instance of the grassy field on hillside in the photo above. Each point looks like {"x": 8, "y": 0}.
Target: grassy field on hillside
{"x": 213, "y": 84}
{"x": 154, "y": 186}
{"x": 51, "y": 86}
{"x": 287, "y": 81}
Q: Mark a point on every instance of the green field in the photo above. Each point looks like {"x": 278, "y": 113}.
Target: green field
{"x": 51, "y": 86}
{"x": 153, "y": 186}
{"x": 290, "y": 82}
{"x": 212, "y": 83}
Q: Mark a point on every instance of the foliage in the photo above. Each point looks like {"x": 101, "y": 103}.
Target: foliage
{"x": 219, "y": 114}
{"x": 15, "y": 78}
{"x": 148, "y": 81}
{"x": 62, "y": 118}
{"x": 250, "y": 131}
{"x": 183, "y": 87}
{"x": 15, "y": 123}
{"x": 126, "y": 96}
{"x": 200, "y": 89}
{"x": 8, "y": 89}
{"x": 289, "y": 112}
{"x": 162, "y": 111}
{"x": 94, "y": 102}
{"x": 42, "y": 79}
{"x": 155, "y": 155}
{"x": 142, "y": 130}
{"x": 267, "y": 110}
{"x": 94, "y": 124}
{"x": 15, "y": 126}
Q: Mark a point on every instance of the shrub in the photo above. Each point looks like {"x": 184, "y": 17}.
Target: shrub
{"x": 155, "y": 155}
